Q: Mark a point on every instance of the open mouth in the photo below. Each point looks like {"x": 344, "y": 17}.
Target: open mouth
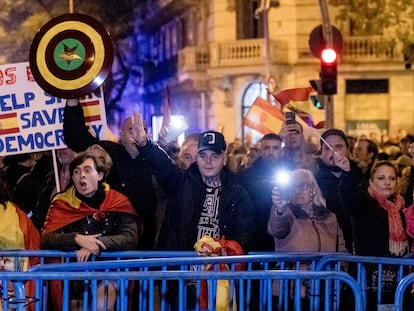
{"x": 83, "y": 184}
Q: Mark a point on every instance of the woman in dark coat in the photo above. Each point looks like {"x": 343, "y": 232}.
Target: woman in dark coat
{"x": 378, "y": 224}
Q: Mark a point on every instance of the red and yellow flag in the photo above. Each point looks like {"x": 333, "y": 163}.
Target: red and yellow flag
{"x": 8, "y": 123}
{"x": 296, "y": 95}
{"x": 91, "y": 111}
{"x": 264, "y": 117}
{"x": 306, "y": 117}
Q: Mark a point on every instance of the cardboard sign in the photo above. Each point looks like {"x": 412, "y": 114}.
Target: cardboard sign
{"x": 32, "y": 120}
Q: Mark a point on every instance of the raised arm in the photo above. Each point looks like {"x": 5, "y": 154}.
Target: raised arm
{"x": 76, "y": 133}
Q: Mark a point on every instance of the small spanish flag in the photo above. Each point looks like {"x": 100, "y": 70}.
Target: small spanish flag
{"x": 8, "y": 123}
{"x": 264, "y": 117}
{"x": 91, "y": 111}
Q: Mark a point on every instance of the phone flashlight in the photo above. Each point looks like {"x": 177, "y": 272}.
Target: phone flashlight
{"x": 282, "y": 181}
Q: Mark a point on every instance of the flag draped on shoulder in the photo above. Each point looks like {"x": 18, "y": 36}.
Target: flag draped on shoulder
{"x": 264, "y": 117}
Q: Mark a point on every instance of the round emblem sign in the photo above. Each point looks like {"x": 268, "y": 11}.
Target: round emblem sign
{"x": 71, "y": 56}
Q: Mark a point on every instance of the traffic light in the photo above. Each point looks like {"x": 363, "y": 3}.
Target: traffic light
{"x": 328, "y": 72}
{"x": 317, "y": 101}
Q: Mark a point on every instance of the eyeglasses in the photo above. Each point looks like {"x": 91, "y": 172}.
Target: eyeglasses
{"x": 300, "y": 187}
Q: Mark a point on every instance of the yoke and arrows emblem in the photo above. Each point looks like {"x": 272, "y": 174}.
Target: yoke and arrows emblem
{"x": 71, "y": 56}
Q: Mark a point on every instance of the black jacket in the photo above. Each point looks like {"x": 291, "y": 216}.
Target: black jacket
{"x": 329, "y": 185}
{"x": 369, "y": 219}
{"x": 259, "y": 179}
{"x": 186, "y": 194}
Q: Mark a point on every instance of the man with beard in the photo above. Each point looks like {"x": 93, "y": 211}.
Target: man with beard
{"x": 294, "y": 148}
{"x": 259, "y": 179}
{"x": 334, "y": 146}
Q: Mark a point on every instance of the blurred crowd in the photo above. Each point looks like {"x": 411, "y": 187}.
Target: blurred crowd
{"x": 339, "y": 193}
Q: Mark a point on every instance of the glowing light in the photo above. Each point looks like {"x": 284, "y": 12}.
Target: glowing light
{"x": 328, "y": 55}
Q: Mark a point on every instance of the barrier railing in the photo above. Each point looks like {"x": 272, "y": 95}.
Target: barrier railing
{"x": 326, "y": 294}
{"x": 263, "y": 261}
{"x": 236, "y": 281}
{"x": 287, "y": 261}
{"x": 402, "y": 287}
{"x": 374, "y": 274}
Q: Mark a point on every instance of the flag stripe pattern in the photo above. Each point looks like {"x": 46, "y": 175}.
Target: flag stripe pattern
{"x": 91, "y": 111}
{"x": 264, "y": 117}
{"x": 298, "y": 94}
{"x": 8, "y": 123}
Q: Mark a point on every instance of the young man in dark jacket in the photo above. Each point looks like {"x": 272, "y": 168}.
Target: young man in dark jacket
{"x": 206, "y": 199}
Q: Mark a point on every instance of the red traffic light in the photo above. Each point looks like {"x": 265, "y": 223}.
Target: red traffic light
{"x": 328, "y": 72}
{"x": 328, "y": 56}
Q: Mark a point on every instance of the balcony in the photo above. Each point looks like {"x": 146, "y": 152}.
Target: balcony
{"x": 369, "y": 49}
{"x": 252, "y": 53}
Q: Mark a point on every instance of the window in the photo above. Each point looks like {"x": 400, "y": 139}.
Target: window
{"x": 253, "y": 90}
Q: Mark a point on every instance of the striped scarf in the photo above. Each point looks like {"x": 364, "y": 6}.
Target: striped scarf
{"x": 398, "y": 238}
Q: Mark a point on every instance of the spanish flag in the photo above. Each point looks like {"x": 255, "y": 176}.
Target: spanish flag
{"x": 17, "y": 232}
{"x": 91, "y": 111}
{"x": 8, "y": 123}
{"x": 296, "y": 95}
{"x": 264, "y": 117}
{"x": 306, "y": 117}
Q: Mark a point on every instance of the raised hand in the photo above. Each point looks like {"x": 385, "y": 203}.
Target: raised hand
{"x": 342, "y": 162}
{"x": 138, "y": 130}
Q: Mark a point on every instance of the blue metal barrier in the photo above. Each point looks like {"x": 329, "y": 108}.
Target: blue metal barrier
{"x": 403, "y": 285}
{"x": 264, "y": 261}
{"x": 155, "y": 262}
{"x": 236, "y": 280}
{"x": 281, "y": 261}
{"x": 357, "y": 266}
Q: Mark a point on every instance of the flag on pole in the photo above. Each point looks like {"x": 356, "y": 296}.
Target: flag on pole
{"x": 296, "y": 95}
{"x": 264, "y": 117}
{"x": 166, "y": 111}
{"x": 306, "y": 117}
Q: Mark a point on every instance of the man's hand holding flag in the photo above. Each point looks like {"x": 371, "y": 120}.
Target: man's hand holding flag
{"x": 267, "y": 118}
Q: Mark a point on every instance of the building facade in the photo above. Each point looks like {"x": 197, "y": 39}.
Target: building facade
{"x": 216, "y": 56}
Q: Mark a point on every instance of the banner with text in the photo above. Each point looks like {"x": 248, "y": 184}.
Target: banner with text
{"x": 32, "y": 120}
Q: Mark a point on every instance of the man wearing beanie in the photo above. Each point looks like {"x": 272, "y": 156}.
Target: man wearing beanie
{"x": 334, "y": 145}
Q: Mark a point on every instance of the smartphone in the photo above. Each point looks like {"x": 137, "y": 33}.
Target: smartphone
{"x": 290, "y": 117}
{"x": 176, "y": 129}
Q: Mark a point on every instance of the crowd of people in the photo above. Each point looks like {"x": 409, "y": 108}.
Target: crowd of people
{"x": 338, "y": 194}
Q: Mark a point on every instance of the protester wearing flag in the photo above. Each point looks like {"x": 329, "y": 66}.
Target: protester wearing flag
{"x": 130, "y": 173}
{"x": 90, "y": 217}
{"x": 16, "y": 232}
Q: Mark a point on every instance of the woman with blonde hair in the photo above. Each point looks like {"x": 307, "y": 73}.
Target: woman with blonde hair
{"x": 300, "y": 222}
